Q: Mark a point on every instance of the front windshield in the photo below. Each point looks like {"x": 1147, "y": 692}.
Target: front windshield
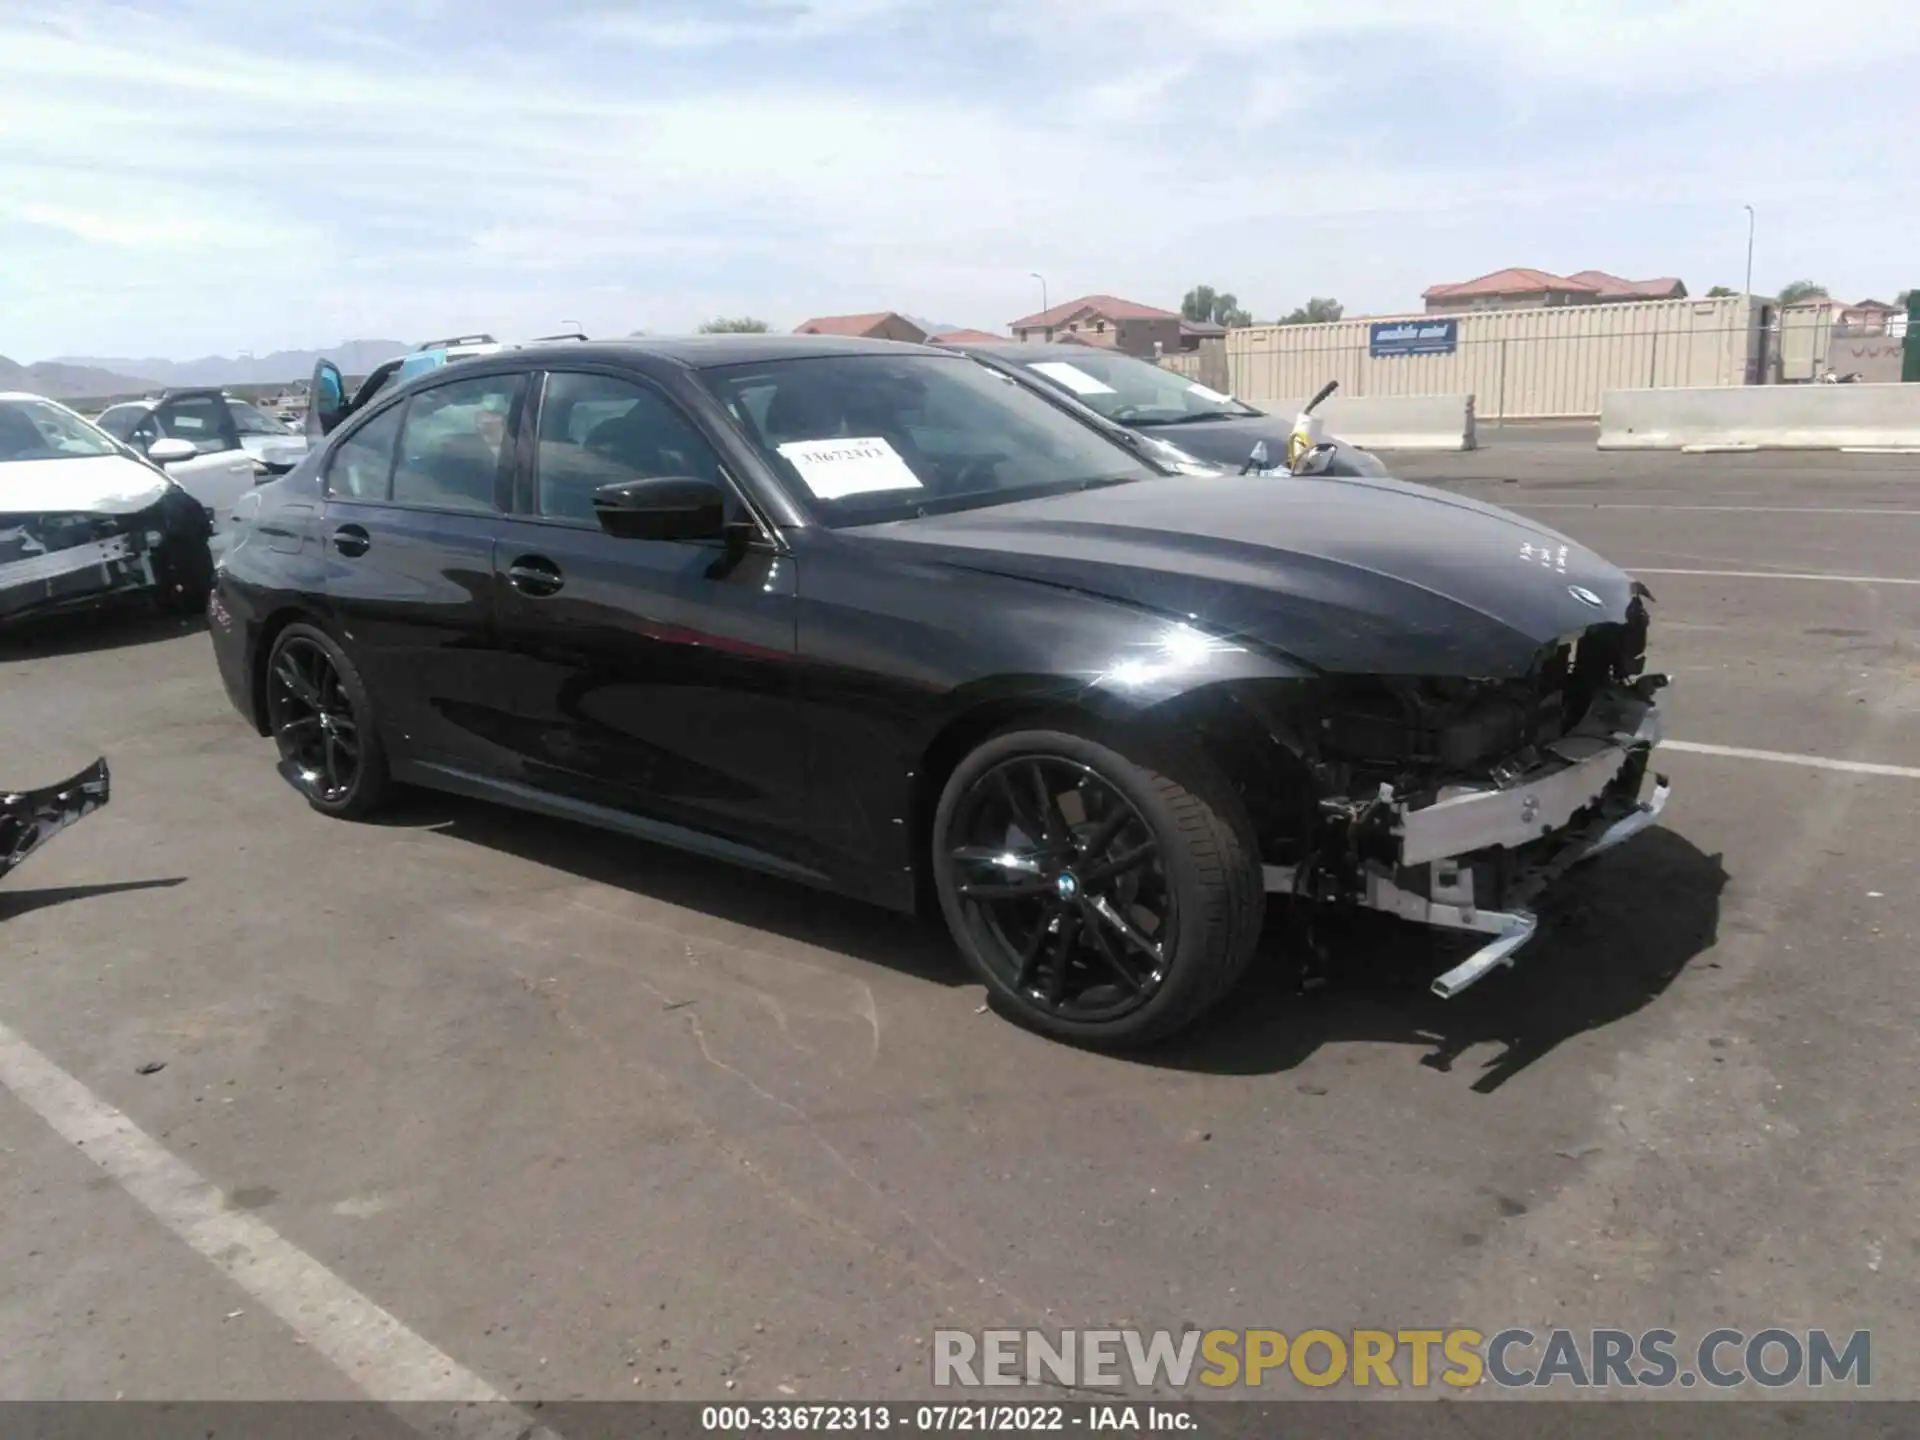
{"x": 1136, "y": 392}
{"x": 41, "y": 430}
{"x": 865, "y": 438}
{"x": 251, "y": 421}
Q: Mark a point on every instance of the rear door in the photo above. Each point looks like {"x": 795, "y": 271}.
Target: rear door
{"x": 648, "y": 676}
{"x": 415, "y": 491}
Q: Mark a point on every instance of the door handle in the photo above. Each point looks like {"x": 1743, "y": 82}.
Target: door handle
{"x": 535, "y": 575}
{"x": 352, "y": 540}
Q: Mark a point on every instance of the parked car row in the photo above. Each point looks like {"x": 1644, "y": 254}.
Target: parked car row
{"x": 928, "y": 629}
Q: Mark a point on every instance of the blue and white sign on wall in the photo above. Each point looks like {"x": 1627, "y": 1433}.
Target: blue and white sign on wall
{"x": 1413, "y": 337}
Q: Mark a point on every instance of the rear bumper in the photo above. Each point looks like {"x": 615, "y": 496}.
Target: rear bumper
{"x": 1477, "y": 857}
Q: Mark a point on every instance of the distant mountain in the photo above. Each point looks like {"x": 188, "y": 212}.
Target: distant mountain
{"x": 354, "y": 357}
{"x": 71, "y": 380}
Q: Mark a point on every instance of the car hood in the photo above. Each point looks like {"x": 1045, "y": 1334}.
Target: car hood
{"x": 1367, "y": 576}
{"x": 1227, "y": 441}
{"x": 99, "y": 484}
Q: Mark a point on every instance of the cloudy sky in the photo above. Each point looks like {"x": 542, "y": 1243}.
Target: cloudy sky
{"x": 196, "y": 176}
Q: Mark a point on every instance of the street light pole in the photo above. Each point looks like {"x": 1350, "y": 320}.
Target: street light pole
{"x": 1749, "y": 210}
{"x": 1043, "y": 288}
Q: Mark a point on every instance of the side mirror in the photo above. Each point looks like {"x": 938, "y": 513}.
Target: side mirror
{"x": 167, "y": 450}
{"x": 666, "y": 507}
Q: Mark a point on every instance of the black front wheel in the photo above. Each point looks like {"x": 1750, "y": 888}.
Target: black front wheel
{"x": 1100, "y": 897}
{"x": 321, "y": 718}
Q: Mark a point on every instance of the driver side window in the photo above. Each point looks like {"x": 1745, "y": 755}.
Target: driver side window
{"x": 598, "y": 430}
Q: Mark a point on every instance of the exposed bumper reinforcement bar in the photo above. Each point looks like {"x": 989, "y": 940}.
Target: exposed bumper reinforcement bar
{"x": 1451, "y": 906}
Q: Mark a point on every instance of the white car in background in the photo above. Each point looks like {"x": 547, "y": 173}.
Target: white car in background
{"x": 234, "y": 445}
{"x": 84, "y": 520}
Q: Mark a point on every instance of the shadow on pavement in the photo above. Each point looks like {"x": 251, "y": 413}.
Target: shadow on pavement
{"x": 87, "y": 631}
{"x": 725, "y": 892}
{"x": 15, "y": 903}
{"x": 1614, "y": 938}
{"x": 1616, "y": 935}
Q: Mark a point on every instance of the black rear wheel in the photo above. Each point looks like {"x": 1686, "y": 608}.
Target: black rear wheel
{"x": 1098, "y": 897}
{"x": 321, "y": 720}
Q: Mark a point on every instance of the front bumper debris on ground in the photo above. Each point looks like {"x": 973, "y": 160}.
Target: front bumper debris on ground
{"x": 1477, "y": 856}
{"x": 30, "y": 818}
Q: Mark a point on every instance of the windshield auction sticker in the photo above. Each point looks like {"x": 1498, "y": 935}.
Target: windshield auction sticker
{"x": 856, "y": 465}
{"x": 1073, "y": 377}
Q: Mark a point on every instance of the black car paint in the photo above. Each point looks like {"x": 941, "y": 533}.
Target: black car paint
{"x": 789, "y": 697}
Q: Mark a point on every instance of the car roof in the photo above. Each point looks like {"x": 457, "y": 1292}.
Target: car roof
{"x": 28, "y": 395}
{"x": 701, "y": 352}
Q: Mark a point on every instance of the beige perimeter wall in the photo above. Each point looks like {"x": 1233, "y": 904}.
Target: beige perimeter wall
{"x": 1518, "y": 364}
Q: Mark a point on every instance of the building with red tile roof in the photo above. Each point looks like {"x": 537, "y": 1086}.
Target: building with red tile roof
{"x": 1523, "y": 288}
{"x": 880, "y": 325}
{"x": 1104, "y": 320}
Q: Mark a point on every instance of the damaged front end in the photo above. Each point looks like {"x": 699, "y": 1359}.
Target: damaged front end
{"x": 56, "y": 561}
{"x": 1455, "y": 803}
{"x": 30, "y": 818}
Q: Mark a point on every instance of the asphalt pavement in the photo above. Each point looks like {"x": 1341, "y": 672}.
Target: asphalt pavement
{"x": 582, "y": 1117}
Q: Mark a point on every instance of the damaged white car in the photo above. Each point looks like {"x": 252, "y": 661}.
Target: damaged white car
{"x": 85, "y": 521}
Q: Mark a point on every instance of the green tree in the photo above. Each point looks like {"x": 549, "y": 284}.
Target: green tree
{"x": 1317, "y": 311}
{"x": 739, "y": 325}
{"x": 1903, "y": 299}
{"x": 1205, "y": 305}
{"x": 1720, "y": 292}
{"x": 1802, "y": 290}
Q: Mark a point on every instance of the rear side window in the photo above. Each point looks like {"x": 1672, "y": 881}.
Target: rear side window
{"x": 363, "y": 462}
{"x": 453, "y": 443}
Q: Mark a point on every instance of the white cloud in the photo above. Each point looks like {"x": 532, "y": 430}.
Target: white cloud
{"x": 433, "y": 166}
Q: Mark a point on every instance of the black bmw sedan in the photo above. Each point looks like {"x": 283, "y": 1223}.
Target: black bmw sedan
{"x": 878, "y": 618}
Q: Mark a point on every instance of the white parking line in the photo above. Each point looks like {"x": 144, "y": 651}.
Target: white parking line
{"x": 1780, "y": 575}
{"x": 381, "y": 1356}
{"x": 1719, "y": 509}
{"x": 1782, "y": 757}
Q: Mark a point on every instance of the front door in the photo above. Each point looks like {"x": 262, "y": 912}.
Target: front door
{"x": 651, "y": 677}
{"x": 415, "y": 494}
{"x": 222, "y": 470}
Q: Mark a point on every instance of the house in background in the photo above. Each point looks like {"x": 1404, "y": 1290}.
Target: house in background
{"x": 1108, "y": 321}
{"x": 883, "y": 325}
{"x": 1867, "y": 317}
{"x": 1520, "y": 288}
{"x": 967, "y": 337}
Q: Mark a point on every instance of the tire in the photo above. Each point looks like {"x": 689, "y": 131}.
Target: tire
{"x": 320, "y": 722}
{"x": 1008, "y": 898}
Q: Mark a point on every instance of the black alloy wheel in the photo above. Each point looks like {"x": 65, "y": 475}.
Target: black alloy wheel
{"x": 1100, "y": 899}
{"x": 318, "y": 714}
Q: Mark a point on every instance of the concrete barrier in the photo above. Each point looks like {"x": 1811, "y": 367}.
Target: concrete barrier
{"x": 1762, "y": 417}
{"x": 1387, "y": 422}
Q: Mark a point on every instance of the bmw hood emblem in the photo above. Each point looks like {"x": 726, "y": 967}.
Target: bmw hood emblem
{"x": 1067, "y": 886}
{"x": 1585, "y": 596}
